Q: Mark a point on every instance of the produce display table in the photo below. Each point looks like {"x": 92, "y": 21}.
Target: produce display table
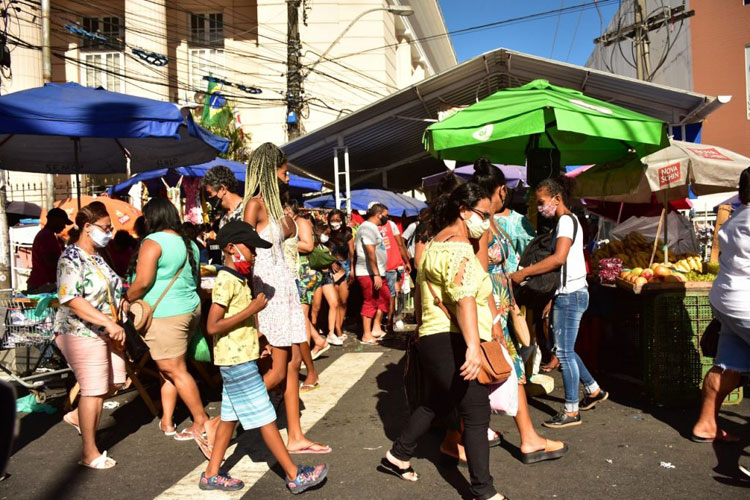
{"x": 673, "y": 317}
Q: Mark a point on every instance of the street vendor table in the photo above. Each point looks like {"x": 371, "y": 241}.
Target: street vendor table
{"x": 671, "y": 318}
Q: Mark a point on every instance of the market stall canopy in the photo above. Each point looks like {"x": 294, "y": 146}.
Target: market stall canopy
{"x": 65, "y": 128}
{"x": 618, "y": 211}
{"x": 399, "y": 205}
{"x": 238, "y": 168}
{"x": 384, "y": 139}
{"x": 515, "y": 176}
{"x": 669, "y": 173}
{"x": 505, "y": 126}
{"x": 123, "y": 214}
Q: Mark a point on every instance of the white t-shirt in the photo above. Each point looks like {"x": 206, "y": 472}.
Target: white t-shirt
{"x": 576, "y": 275}
{"x": 407, "y": 236}
{"x": 730, "y": 293}
{"x": 368, "y": 234}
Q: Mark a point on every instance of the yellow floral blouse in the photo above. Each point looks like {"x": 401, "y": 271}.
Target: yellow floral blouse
{"x": 441, "y": 262}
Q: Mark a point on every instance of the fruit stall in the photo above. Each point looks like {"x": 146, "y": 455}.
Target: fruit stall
{"x": 666, "y": 297}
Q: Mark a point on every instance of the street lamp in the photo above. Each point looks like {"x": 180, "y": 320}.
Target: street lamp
{"x": 395, "y": 10}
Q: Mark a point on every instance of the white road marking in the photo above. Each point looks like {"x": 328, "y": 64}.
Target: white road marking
{"x": 335, "y": 381}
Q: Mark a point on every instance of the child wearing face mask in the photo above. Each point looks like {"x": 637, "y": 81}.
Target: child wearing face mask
{"x": 231, "y": 322}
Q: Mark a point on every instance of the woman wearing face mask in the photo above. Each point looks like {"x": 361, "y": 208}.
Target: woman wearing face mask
{"x": 327, "y": 289}
{"x": 220, "y": 185}
{"x": 571, "y": 301}
{"x": 165, "y": 253}
{"x": 341, "y": 244}
{"x": 282, "y": 321}
{"x": 86, "y": 324}
{"x": 509, "y": 234}
{"x": 449, "y": 353}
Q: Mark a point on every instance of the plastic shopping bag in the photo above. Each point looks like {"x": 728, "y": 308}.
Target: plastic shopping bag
{"x": 504, "y": 397}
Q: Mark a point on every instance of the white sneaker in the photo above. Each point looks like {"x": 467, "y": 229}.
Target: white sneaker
{"x": 334, "y": 340}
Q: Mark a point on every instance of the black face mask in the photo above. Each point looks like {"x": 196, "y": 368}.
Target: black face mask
{"x": 215, "y": 202}
{"x": 383, "y": 219}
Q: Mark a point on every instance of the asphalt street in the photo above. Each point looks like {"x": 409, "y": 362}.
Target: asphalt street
{"x": 624, "y": 449}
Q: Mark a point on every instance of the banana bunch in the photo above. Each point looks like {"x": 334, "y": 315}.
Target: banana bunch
{"x": 689, "y": 263}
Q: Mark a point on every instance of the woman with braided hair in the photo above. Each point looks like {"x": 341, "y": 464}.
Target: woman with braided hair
{"x": 282, "y": 321}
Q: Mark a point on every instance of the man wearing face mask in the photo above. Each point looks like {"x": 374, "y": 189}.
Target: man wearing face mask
{"x": 220, "y": 185}
{"x": 45, "y": 252}
{"x": 396, "y": 263}
{"x": 570, "y": 302}
{"x": 369, "y": 268}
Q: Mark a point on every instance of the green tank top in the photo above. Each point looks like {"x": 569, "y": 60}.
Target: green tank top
{"x": 182, "y": 297}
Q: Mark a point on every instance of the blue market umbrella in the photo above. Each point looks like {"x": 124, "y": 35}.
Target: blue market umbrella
{"x": 70, "y": 129}
{"x": 303, "y": 184}
{"x": 399, "y": 205}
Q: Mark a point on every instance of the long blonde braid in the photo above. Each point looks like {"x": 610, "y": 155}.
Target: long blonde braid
{"x": 261, "y": 178}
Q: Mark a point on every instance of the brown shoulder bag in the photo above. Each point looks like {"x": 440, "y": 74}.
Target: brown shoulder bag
{"x": 142, "y": 313}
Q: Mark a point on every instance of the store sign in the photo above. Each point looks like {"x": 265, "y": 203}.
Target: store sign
{"x": 710, "y": 154}
{"x": 669, "y": 174}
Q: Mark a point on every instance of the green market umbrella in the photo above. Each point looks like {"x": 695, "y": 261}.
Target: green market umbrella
{"x": 506, "y": 126}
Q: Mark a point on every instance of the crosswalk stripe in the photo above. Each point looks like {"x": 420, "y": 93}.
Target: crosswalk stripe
{"x": 335, "y": 381}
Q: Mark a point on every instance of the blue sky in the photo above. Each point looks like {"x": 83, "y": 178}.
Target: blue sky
{"x": 535, "y": 37}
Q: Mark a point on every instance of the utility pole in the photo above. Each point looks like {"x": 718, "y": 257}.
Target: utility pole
{"x": 638, "y": 32}
{"x": 293, "y": 72}
{"x": 49, "y": 179}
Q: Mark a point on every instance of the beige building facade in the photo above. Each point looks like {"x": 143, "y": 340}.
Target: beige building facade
{"x": 120, "y": 45}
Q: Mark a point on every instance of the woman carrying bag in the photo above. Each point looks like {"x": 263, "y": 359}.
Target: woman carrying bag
{"x": 86, "y": 324}
{"x": 166, "y": 279}
{"x": 449, "y": 349}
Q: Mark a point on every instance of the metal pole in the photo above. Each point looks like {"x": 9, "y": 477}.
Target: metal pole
{"x": 293, "y": 71}
{"x": 348, "y": 185}
{"x": 337, "y": 194}
{"x": 49, "y": 179}
{"x": 5, "y": 255}
{"x": 76, "y": 144}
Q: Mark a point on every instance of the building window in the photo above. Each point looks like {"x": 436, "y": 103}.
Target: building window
{"x": 205, "y": 62}
{"x": 103, "y": 69}
{"x": 207, "y": 29}
{"x": 109, "y": 27}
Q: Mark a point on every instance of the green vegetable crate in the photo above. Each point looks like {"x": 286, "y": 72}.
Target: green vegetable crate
{"x": 672, "y": 325}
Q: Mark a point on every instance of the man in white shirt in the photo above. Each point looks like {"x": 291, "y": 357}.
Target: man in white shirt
{"x": 369, "y": 268}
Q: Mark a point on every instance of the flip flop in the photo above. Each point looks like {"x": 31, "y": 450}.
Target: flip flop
{"x": 309, "y": 387}
{"x": 203, "y": 445}
{"x": 320, "y": 352}
{"x": 397, "y": 471}
{"x": 311, "y": 451}
{"x": 101, "y": 462}
{"x": 723, "y": 438}
{"x": 166, "y": 433}
{"x": 186, "y": 435}
{"x": 370, "y": 342}
{"x": 70, "y": 423}
{"x": 495, "y": 441}
{"x": 545, "y": 454}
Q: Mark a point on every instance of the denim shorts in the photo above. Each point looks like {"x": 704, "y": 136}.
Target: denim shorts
{"x": 734, "y": 343}
{"x": 393, "y": 277}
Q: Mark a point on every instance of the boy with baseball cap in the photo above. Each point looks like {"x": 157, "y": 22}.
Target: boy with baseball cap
{"x": 244, "y": 398}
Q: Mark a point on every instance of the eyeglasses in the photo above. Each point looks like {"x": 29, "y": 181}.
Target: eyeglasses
{"x": 484, "y": 215}
{"x": 107, "y": 229}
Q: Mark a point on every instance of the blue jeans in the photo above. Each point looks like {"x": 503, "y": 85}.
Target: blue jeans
{"x": 567, "y": 311}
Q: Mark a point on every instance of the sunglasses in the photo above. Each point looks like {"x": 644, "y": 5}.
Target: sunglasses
{"x": 107, "y": 229}
{"x": 484, "y": 215}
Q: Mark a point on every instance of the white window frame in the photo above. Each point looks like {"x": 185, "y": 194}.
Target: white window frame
{"x": 204, "y": 62}
{"x": 206, "y": 40}
{"x": 747, "y": 79}
{"x": 86, "y": 66}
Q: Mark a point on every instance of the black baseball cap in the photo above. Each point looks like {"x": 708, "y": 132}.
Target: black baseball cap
{"x": 239, "y": 231}
{"x": 59, "y": 213}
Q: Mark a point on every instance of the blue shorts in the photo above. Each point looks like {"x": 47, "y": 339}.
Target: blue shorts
{"x": 734, "y": 343}
{"x": 245, "y": 397}
{"x": 393, "y": 277}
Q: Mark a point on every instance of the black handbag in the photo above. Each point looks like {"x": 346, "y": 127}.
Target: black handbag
{"x": 710, "y": 339}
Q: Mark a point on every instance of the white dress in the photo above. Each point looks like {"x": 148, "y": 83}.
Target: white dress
{"x": 282, "y": 321}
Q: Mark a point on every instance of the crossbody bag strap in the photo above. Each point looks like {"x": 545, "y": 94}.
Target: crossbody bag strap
{"x": 156, "y": 304}
{"x": 113, "y": 309}
{"x": 436, "y": 300}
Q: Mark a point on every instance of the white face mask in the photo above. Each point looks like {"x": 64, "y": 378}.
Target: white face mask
{"x": 335, "y": 226}
{"x": 324, "y": 238}
{"x": 476, "y": 226}
{"x": 100, "y": 238}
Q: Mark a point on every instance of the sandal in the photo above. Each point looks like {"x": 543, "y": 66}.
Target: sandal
{"x": 309, "y": 387}
{"x": 375, "y": 341}
{"x": 394, "y": 469}
{"x": 319, "y": 353}
{"x": 205, "y": 448}
{"x": 167, "y": 433}
{"x": 70, "y": 423}
{"x": 724, "y": 437}
{"x": 545, "y": 454}
{"x": 312, "y": 449}
{"x": 101, "y": 462}
{"x": 186, "y": 435}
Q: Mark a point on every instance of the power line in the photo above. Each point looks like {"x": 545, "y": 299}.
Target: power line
{"x": 575, "y": 33}
{"x": 557, "y": 27}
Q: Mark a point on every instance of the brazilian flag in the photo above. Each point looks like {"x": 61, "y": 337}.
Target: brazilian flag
{"x": 216, "y": 111}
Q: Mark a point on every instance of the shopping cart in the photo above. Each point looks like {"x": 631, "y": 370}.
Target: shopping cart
{"x": 26, "y": 324}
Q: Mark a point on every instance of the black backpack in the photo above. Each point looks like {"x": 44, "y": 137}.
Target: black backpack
{"x": 541, "y": 288}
